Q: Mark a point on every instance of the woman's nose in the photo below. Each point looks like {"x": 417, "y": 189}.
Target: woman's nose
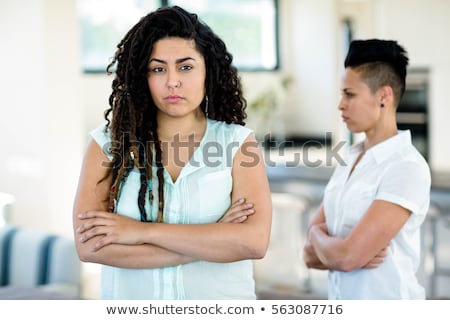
{"x": 341, "y": 105}
{"x": 174, "y": 83}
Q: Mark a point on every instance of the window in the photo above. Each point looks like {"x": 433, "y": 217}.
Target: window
{"x": 103, "y": 24}
{"x": 248, "y": 28}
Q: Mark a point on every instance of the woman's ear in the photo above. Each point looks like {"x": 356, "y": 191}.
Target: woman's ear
{"x": 386, "y": 96}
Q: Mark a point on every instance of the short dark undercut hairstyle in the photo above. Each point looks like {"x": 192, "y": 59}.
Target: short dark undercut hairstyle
{"x": 380, "y": 63}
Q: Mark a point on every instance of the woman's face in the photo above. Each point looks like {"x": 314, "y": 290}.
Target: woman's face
{"x": 176, "y": 77}
{"x": 360, "y": 108}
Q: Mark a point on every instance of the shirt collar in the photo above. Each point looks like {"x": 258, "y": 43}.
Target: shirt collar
{"x": 386, "y": 148}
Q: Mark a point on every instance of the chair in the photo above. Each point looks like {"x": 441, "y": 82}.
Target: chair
{"x": 282, "y": 269}
{"x": 28, "y": 254}
{"x": 63, "y": 267}
{"x": 6, "y": 234}
{"x": 436, "y": 245}
{"x": 36, "y": 259}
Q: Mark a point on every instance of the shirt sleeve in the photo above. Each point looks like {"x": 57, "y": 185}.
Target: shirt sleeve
{"x": 240, "y": 133}
{"x": 407, "y": 184}
{"x": 102, "y": 136}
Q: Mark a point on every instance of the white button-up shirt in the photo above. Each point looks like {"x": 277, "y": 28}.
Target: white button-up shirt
{"x": 393, "y": 171}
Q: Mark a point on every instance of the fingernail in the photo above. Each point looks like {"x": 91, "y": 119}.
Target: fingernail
{"x": 241, "y": 200}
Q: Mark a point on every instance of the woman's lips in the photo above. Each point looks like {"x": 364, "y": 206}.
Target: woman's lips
{"x": 173, "y": 99}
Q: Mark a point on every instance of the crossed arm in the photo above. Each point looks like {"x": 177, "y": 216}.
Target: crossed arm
{"x": 113, "y": 239}
{"x": 365, "y": 246}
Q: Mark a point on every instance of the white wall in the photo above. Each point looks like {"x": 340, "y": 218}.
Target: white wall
{"x": 314, "y": 47}
{"x": 41, "y": 120}
{"x": 423, "y": 28}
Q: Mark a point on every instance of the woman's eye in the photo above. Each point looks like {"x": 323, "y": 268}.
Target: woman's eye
{"x": 157, "y": 70}
{"x": 185, "y": 68}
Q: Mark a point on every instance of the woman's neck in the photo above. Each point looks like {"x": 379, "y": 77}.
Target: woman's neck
{"x": 183, "y": 127}
{"x": 378, "y": 135}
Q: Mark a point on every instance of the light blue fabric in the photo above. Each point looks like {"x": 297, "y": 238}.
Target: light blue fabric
{"x": 201, "y": 194}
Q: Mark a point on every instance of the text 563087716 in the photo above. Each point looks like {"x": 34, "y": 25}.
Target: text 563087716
{"x": 306, "y": 309}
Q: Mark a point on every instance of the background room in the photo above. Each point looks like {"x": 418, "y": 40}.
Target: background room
{"x": 51, "y": 99}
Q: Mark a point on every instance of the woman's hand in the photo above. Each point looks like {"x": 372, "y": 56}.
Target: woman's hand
{"x": 238, "y": 212}
{"x": 109, "y": 228}
{"x": 377, "y": 260}
{"x": 321, "y": 227}
{"x": 310, "y": 257}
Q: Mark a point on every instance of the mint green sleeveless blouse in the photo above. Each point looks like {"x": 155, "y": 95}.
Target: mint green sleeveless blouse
{"x": 201, "y": 194}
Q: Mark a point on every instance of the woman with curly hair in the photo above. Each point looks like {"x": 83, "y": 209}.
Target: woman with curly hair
{"x": 173, "y": 198}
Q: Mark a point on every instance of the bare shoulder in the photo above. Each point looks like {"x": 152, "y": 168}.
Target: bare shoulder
{"x": 249, "y": 154}
{"x": 94, "y": 180}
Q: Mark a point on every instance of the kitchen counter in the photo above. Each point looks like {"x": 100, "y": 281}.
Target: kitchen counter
{"x": 440, "y": 180}
{"x": 313, "y": 166}
{"x": 309, "y": 182}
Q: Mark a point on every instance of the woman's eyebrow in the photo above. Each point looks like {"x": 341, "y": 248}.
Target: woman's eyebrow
{"x": 180, "y": 60}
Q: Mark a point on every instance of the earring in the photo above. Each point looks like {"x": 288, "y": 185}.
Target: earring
{"x": 206, "y": 106}
{"x": 382, "y": 105}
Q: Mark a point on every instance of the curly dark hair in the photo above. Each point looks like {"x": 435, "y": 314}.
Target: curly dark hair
{"x": 133, "y": 125}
